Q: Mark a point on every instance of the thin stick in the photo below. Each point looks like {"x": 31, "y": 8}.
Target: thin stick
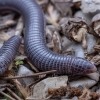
{"x": 6, "y": 85}
{"x": 55, "y": 49}
{"x": 28, "y": 86}
{"x": 33, "y": 67}
{"x": 13, "y": 94}
{"x": 19, "y": 27}
{"x": 7, "y": 95}
{"x": 25, "y": 76}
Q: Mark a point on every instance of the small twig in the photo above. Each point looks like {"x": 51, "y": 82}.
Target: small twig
{"x": 10, "y": 66}
{"x": 22, "y": 90}
{"x": 29, "y": 86}
{"x": 19, "y": 26}
{"x": 30, "y": 98}
{"x": 25, "y": 76}
{"x": 55, "y": 40}
{"x": 48, "y": 98}
{"x": 33, "y": 67}
{"x": 59, "y": 40}
{"x": 13, "y": 94}
{"x": 19, "y": 86}
{"x": 6, "y": 85}
{"x": 7, "y": 95}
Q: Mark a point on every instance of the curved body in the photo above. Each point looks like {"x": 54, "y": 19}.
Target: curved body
{"x": 8, "y": 52}
{"x": 35, "y": 43}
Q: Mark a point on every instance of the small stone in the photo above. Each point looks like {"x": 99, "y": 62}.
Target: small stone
{"x": 40, "y": 90}
{"x": 94, "y": 76}
{"x": 83, "y": 82}
{"x": 25, "y": 71}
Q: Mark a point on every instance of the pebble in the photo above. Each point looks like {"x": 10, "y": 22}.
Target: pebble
{"x": 40, "y": 90}
{"x": 25, "y": 71}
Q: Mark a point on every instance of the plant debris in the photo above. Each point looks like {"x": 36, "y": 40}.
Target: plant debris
{"x": 75, "y": 29}
{"x": 72, "y": 28}
{"x": 60, "y": 91}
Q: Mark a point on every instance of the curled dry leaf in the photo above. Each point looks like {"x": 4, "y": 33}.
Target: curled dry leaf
{"x": 75, "y": 29}
{"x": 40, "y": 90}
{"x": 96, "y": 60}
{"x": 96, "y": 25}
{"x": 97, "y": 48}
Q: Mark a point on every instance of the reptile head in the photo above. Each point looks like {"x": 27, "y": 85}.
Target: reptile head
{"x": 90, "y": 68}
{"x": 83, "y": 66}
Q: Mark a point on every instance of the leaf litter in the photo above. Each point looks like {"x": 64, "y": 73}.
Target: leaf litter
{"x": 72, "y": 29}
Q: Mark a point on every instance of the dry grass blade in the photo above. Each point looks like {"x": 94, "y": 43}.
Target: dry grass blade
{"x": 13, "y": 94}
{"x": 11, "y": 98}
{"x": 55, "y": 48}
{"x": 19, "y": 26}
{"x": 33, "y": 67}
{"x": 21, "y": 88}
